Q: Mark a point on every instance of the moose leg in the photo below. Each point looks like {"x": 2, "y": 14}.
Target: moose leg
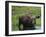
{"x": 19, "y": 24}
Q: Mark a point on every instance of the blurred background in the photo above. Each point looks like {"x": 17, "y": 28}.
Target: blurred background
{"x": 18, "y": 11}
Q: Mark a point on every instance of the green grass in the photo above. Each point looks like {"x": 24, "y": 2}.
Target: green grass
{"x": 38, "y": 22}
{"x": 21, "y": 11}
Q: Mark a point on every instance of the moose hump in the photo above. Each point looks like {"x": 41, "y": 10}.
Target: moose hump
{"x": 26, "y": 19}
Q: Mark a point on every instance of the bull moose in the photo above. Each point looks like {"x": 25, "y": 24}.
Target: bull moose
{"x": 27, "y": 22}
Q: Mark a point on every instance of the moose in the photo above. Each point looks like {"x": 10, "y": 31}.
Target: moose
{"x": 28, "y": 22}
